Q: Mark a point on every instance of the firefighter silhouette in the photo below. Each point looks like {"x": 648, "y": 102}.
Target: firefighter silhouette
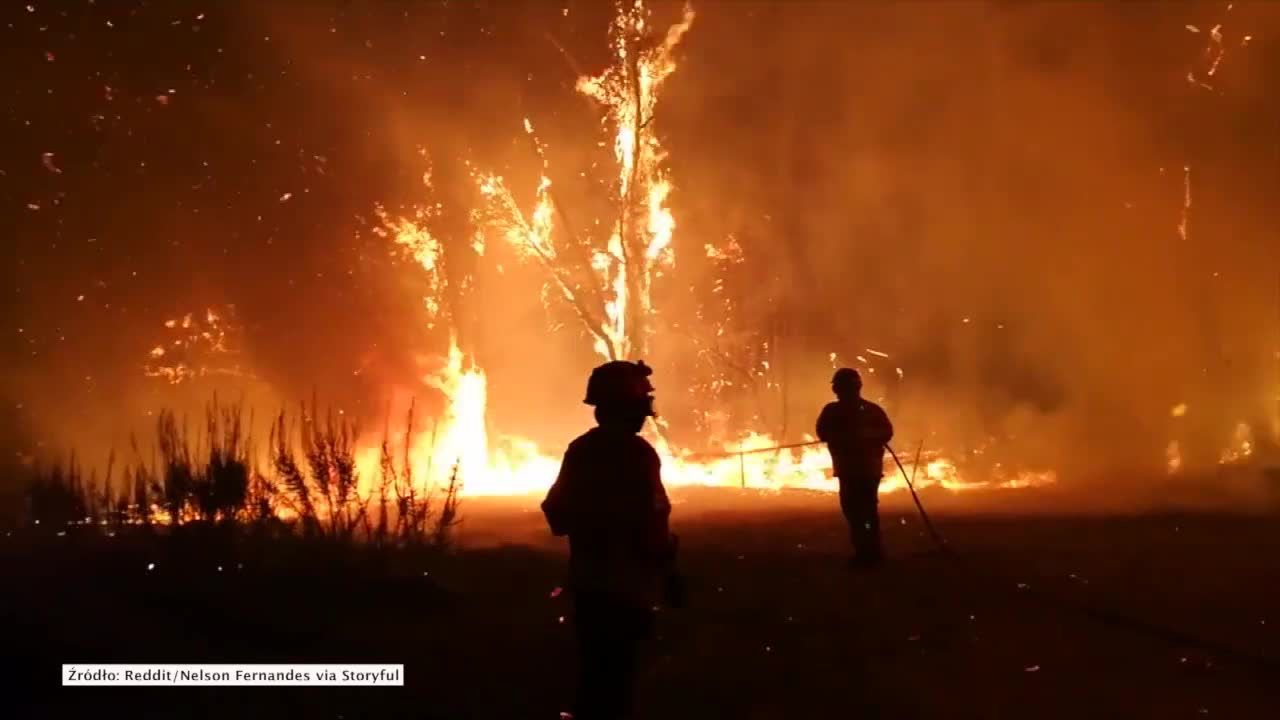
{"x": 609, "y": 500}
{"x": 856, "y": 431}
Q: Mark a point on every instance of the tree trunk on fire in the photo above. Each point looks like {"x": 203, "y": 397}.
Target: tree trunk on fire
{"x": 634, "y": 257}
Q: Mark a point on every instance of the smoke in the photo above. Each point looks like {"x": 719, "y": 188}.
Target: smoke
{"x": 991, "y": 194}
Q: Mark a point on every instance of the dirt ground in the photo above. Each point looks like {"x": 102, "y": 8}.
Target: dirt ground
{"x": 1042, "y": 614}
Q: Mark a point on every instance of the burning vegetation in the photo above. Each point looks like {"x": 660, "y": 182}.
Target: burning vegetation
{"x": 305, "y": 480}
{"x": 1042, "y": 233}
{"x": 605, "y": 272}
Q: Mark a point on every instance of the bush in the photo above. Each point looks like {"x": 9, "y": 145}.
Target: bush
{"x": 214, "y": 479}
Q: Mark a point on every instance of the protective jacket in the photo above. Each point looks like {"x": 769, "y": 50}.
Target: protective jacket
{"x": 856, "y": 432}
{"x": 609, "y": 500}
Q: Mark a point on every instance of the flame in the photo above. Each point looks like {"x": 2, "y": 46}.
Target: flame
{"x": 1241, "y": 447}
{"x": 1239, "y": 450}
{"x": 198, "y": 345}
{"x": 418, "y": 242}
{"x": 459, "y": 439}
{"x": 1173, "y": 458}
{"x": 614, "y": 303}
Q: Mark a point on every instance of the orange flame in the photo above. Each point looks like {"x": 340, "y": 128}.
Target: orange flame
{"x": 638, "y": 245}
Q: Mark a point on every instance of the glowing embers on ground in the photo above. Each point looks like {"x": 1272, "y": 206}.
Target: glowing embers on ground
{"x": 1241, "y": 446}
{"x": 1245, "y": 444}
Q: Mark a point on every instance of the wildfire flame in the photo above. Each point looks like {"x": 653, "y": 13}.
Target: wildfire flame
{"x": 197, "y": 345}
{"x": 615, "y": 304}
{"x": 639, "y": 243}
{"x": 514, "y": 465}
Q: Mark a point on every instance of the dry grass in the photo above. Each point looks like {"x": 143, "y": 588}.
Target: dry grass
{"x": 303, "y": 480}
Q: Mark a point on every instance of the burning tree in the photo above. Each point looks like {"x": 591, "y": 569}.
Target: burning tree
{"x": 604, "y": 271}
{"x": 607, "y": 281}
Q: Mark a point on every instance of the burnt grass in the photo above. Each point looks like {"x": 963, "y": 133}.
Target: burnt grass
{"x": 1034, "y": 615}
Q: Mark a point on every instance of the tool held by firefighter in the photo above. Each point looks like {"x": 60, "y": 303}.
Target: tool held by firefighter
{"x": 933, "y": 532}
{"x": 610, "y": 502}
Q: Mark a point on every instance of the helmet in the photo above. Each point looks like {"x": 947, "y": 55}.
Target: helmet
{"x": 846, "y": 377}
{"x": 619, "y": 381}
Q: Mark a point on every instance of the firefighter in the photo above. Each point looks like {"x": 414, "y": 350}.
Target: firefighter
{"x": 856, "y": 432}
{"x": 609, "y": 500}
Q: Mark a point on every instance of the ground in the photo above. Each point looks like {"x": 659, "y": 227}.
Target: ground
{"x": 1034, "y": 615}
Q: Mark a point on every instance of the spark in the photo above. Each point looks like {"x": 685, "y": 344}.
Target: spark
{"x": 1184, "y": 229}
{"x": 1173, "y": 458}
{"x": 1216, "y": 34}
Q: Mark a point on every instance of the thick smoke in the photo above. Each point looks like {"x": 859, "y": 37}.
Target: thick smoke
{"x": 991, "y": 193}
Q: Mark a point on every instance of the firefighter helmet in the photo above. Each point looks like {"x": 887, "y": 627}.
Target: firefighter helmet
{"x": 846, "y": 377}
{"x": 619, "y": 381}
